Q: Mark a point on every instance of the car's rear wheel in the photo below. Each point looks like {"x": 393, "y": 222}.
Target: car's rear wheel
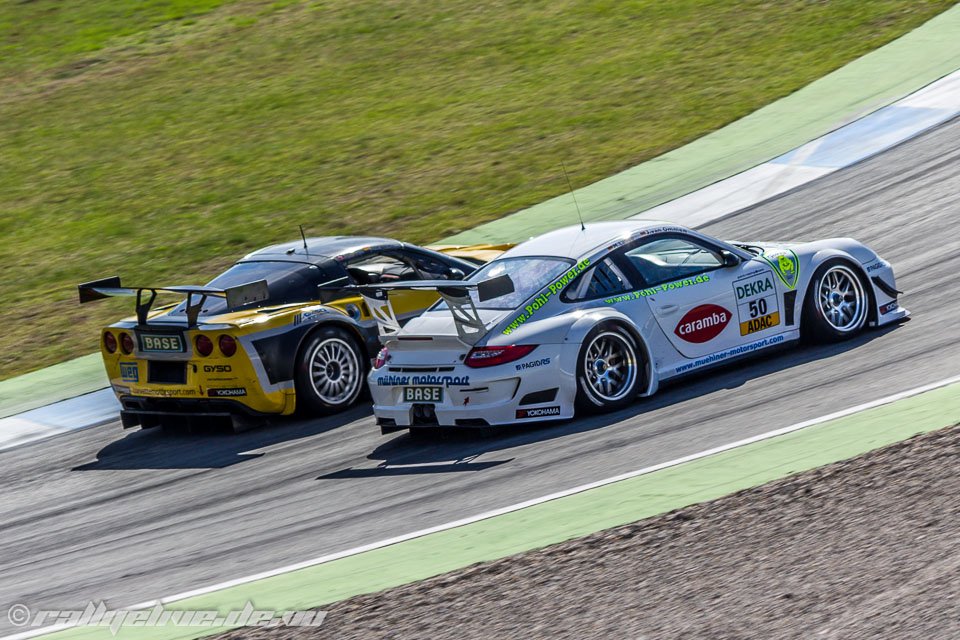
{"x": 837, "y": 304}
{"x": 330, "y": 371}
{"x": 609, "y": 369}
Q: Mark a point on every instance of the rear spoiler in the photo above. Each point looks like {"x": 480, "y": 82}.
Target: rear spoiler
{"x": 456, "y": 293}
{"x": 235, "y": 296}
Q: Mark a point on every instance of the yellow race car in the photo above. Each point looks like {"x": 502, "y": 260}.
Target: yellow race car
{"x": 278, "y": 331}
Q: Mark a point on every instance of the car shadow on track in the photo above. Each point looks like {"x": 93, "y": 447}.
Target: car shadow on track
{"x": 454, "y": 451}
{"x": 210, "y": 448}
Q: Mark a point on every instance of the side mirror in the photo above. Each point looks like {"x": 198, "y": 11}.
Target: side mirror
{"x": 729, "y": 259}
{"x": 455, "y": 274}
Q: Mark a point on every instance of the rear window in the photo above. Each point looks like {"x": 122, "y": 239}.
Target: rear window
{"x": 286, "y": 281}
{"x": 529, "y": 275}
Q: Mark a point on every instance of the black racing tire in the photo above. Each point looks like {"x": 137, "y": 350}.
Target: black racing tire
{"x": 330, "y": 372}
{"x": 610, "y": 368}
{"x": 837, "y": 304}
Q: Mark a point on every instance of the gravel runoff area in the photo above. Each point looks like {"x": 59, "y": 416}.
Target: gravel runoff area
{"x": 864, "y": 548}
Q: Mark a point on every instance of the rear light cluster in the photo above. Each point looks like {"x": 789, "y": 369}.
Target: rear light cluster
{"x": 492, "y": 356}
{"x": 110, "y": 342}
{"x": 204, "y": 345}
{"x": 228, "y": 346}
{"x": 383, "y": 356}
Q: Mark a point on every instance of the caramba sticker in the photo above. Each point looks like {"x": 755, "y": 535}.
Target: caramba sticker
{"x": 786, "y": 263}
{"x": 703, "y": 323}
{"x": 552, "y": 289}
{"x": 758, "y": 305}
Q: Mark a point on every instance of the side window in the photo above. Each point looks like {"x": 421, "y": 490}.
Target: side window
{"x": 373, "y": 268}
{"x": 605, "y": 279}
{"x": 669, "y": 259}
{"x": 430, "y": 267}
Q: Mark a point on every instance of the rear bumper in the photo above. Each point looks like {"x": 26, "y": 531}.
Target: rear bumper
{"x": 499, "y": 395}
{"x": 149, "y": 412}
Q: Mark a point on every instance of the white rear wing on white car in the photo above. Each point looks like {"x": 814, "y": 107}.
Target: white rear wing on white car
{"x": 456, "y": 293}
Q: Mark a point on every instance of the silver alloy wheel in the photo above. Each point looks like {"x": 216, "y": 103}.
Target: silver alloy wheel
{"x": 609, "y": 367}
{"x": 335, "y": 371}
{"x": 841, "y": 299}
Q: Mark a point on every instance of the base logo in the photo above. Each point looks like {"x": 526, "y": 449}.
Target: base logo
{"x": 890, "y": 307}
{"x": 703, "y": 323}
{"x": 537, "y": 413}
{"x": 226, "y": 393}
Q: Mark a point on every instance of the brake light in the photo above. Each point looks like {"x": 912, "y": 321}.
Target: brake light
{"x": 204, "y": 345}
{"x": 228, "y": 346}
{"x": 492, "y": 356}
{"x": 126, "y": 343}
{"x": 382, "y": 357}
{"x": 109, "y": 342}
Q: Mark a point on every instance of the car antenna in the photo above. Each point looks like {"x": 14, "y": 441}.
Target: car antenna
{"x": 574, "y": 195}
{"x": 302, "y": 235}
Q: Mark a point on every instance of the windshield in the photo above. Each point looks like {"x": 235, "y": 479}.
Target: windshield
{"x": 286, "y": 281}
{"x": 529, "y": 275}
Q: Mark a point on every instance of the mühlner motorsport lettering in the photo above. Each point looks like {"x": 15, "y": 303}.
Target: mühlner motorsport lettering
{"x": 447, "y": 381}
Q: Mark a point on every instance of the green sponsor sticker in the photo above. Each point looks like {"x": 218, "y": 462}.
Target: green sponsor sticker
{"x": 786, "y": 264}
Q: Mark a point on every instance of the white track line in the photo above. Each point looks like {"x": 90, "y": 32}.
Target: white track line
{"x": 514, "y": 507}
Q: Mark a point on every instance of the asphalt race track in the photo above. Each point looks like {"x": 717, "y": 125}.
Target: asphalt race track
{"x": 130, "y": 516}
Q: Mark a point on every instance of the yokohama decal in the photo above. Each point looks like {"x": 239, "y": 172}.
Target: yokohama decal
{"x": 703, "y": 323}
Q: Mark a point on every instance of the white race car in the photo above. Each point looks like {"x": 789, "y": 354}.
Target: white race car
{"x": 587, "y": 319}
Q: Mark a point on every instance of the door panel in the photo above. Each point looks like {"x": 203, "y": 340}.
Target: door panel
{"x": 697, "y": 315}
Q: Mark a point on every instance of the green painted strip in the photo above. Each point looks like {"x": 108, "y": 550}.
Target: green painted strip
{"x": 875, "y": 80}
{"x": 573, "y": 516}
{"x": 46, "y": 386}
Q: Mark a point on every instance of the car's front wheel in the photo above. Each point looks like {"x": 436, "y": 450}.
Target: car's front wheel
{"x": 837, "y": 303}
{"x": 608, "y": 369}
{"x": 330, "y": 371}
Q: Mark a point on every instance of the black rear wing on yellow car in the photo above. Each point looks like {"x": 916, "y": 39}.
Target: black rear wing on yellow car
{"x": 456, "y": 293}
{"x": 235, "y": 296}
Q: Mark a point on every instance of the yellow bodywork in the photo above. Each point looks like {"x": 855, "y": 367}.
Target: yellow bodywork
{"x": 474, "y": 253}
{"x": 239, "y": 378}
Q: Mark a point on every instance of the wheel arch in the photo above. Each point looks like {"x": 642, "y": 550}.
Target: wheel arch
{"x": 347, "y": 324}
{"x": 604, "y": 317}
{"x": 354, "y": 331}
{"x": 827, "y": 255}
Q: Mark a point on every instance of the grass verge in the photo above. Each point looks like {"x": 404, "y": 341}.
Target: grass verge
{"x": 164, "y": 140}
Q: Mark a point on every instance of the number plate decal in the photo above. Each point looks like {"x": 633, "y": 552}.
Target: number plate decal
{"x": 757, "y": 302}
{"x": 423, "y": 394}
{"x": 161, "y": 343}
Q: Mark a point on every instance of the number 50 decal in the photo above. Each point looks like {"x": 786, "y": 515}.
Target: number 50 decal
{"x": 757, "y": 303}
{"x": 758, "y": 307}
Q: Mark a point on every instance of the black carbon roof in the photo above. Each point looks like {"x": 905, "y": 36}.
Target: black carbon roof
{"x": 321, "y": 249}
